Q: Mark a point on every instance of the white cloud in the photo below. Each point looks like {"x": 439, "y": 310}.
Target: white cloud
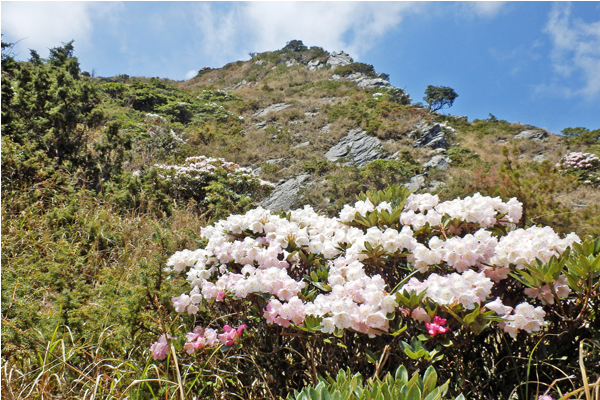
{"x": 576, "y": 51}
{"x": 43, "y": 25}
{"x": 354, "y": 27}
{"x": 485, "y": 9}
{"x": 220, "y": 33}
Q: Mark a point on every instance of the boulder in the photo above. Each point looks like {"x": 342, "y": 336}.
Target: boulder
{"x": 438, "y": 162}
{"x": 372, "y": 83}
{"x": 314, "y": 64}
{"x": 363, "y": 81}
{"x": 429, "y": 136}
{"x": 358, "y": 147}
{"x": 303, "y": 144}
{"x": 539, "y": 158}
{"x": 274, "y": 108}
{"x": 532, "y": 134}
{"x": 337, "y": 58}
{"x": 416, "y": 183}
{"x": 285, "y": 194}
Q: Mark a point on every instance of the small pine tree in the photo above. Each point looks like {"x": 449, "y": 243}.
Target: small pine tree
{"x": 438, "y": 97}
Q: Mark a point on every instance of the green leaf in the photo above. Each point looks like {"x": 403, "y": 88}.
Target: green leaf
{"x": 429, "y": 380}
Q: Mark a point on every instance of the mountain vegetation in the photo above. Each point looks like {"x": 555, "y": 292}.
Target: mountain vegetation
{"x": 104, "y": 179}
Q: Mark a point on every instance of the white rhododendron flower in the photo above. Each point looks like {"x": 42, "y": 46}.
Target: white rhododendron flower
{"x": 261, "y": 252}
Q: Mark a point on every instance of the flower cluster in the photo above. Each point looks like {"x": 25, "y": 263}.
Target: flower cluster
{"x": 436, "y": 327}
{"x": 200, "y": 166}
{"x": 213, "y": 182}
{"x": 524, "y": 316}
{"x": 485, "y": 211}
{"x": 200, "y": 337}
{"x": 263, "y": 253}
{"x": 524, "y": 246}
{"x": 161, "y": 348}
{"x": 468, "y": 289}
{"x": 585, "y": 165}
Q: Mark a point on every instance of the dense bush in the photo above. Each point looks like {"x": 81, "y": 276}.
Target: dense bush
{"x": 356, "y": 67}
{"x": 382, "y": 173}
{"x": 462, "y": 156}
{"x": 217, "y": 186}
{"x": 586, "y": 166}
{"x": 393, "y": 282}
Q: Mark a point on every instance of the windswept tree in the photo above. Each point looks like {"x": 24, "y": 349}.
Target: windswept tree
{"x": 438, "y": 97}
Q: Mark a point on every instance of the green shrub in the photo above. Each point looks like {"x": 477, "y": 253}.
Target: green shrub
{"x": 397, "y": 387}
{"x": 462, "y": 156}
{"x": 383, "y": 173}
{"x": 365, "y": 69}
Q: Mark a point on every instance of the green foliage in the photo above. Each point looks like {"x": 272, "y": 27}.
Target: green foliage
{"x": 462, "y": 156}
{"x": 383, "y": 173}
{"x": 486, "y": 127}
{"x": 295, "y": 46}
{"x": 293, "y": 50}
{"x": 50, "y": 107}
{"x": 438, "y": 97}
{"x": 582, "y": 136}
{"x": 216, "y": 186}
{"x": 539, "y": 186}
{"x": 346, "y": 386}
{"x": 355, "y": 67}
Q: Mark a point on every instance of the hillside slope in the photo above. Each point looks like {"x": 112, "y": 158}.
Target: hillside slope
{"x": 299, "y": 103}
{"x": 104, "y": 179}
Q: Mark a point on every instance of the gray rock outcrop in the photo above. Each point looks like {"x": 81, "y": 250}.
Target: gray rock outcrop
{"x": 372, "y": 83}
{"x": 337, "y": 58}
{"x": 532, "y": 134}
{"x": 314, "y": 64}
{"x": 358, "y": 147}
{"x": 419, "y": 182}
{"x": 285, "y": 194}
{"x": 416, "y": 183}
{"x": 438, "y": 162}
{"x": 274, "y": 108}
{"x": 363, "y": 81}
{"x": 429, "y": 136}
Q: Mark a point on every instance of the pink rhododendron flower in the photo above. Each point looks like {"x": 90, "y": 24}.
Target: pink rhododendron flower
{"x": 201, "y": 338}
{"x": 160, "y": 348}
{"x": 435, "y": 328}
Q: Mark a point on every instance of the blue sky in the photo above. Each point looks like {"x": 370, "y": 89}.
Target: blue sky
{"x": 530, "y": 62}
